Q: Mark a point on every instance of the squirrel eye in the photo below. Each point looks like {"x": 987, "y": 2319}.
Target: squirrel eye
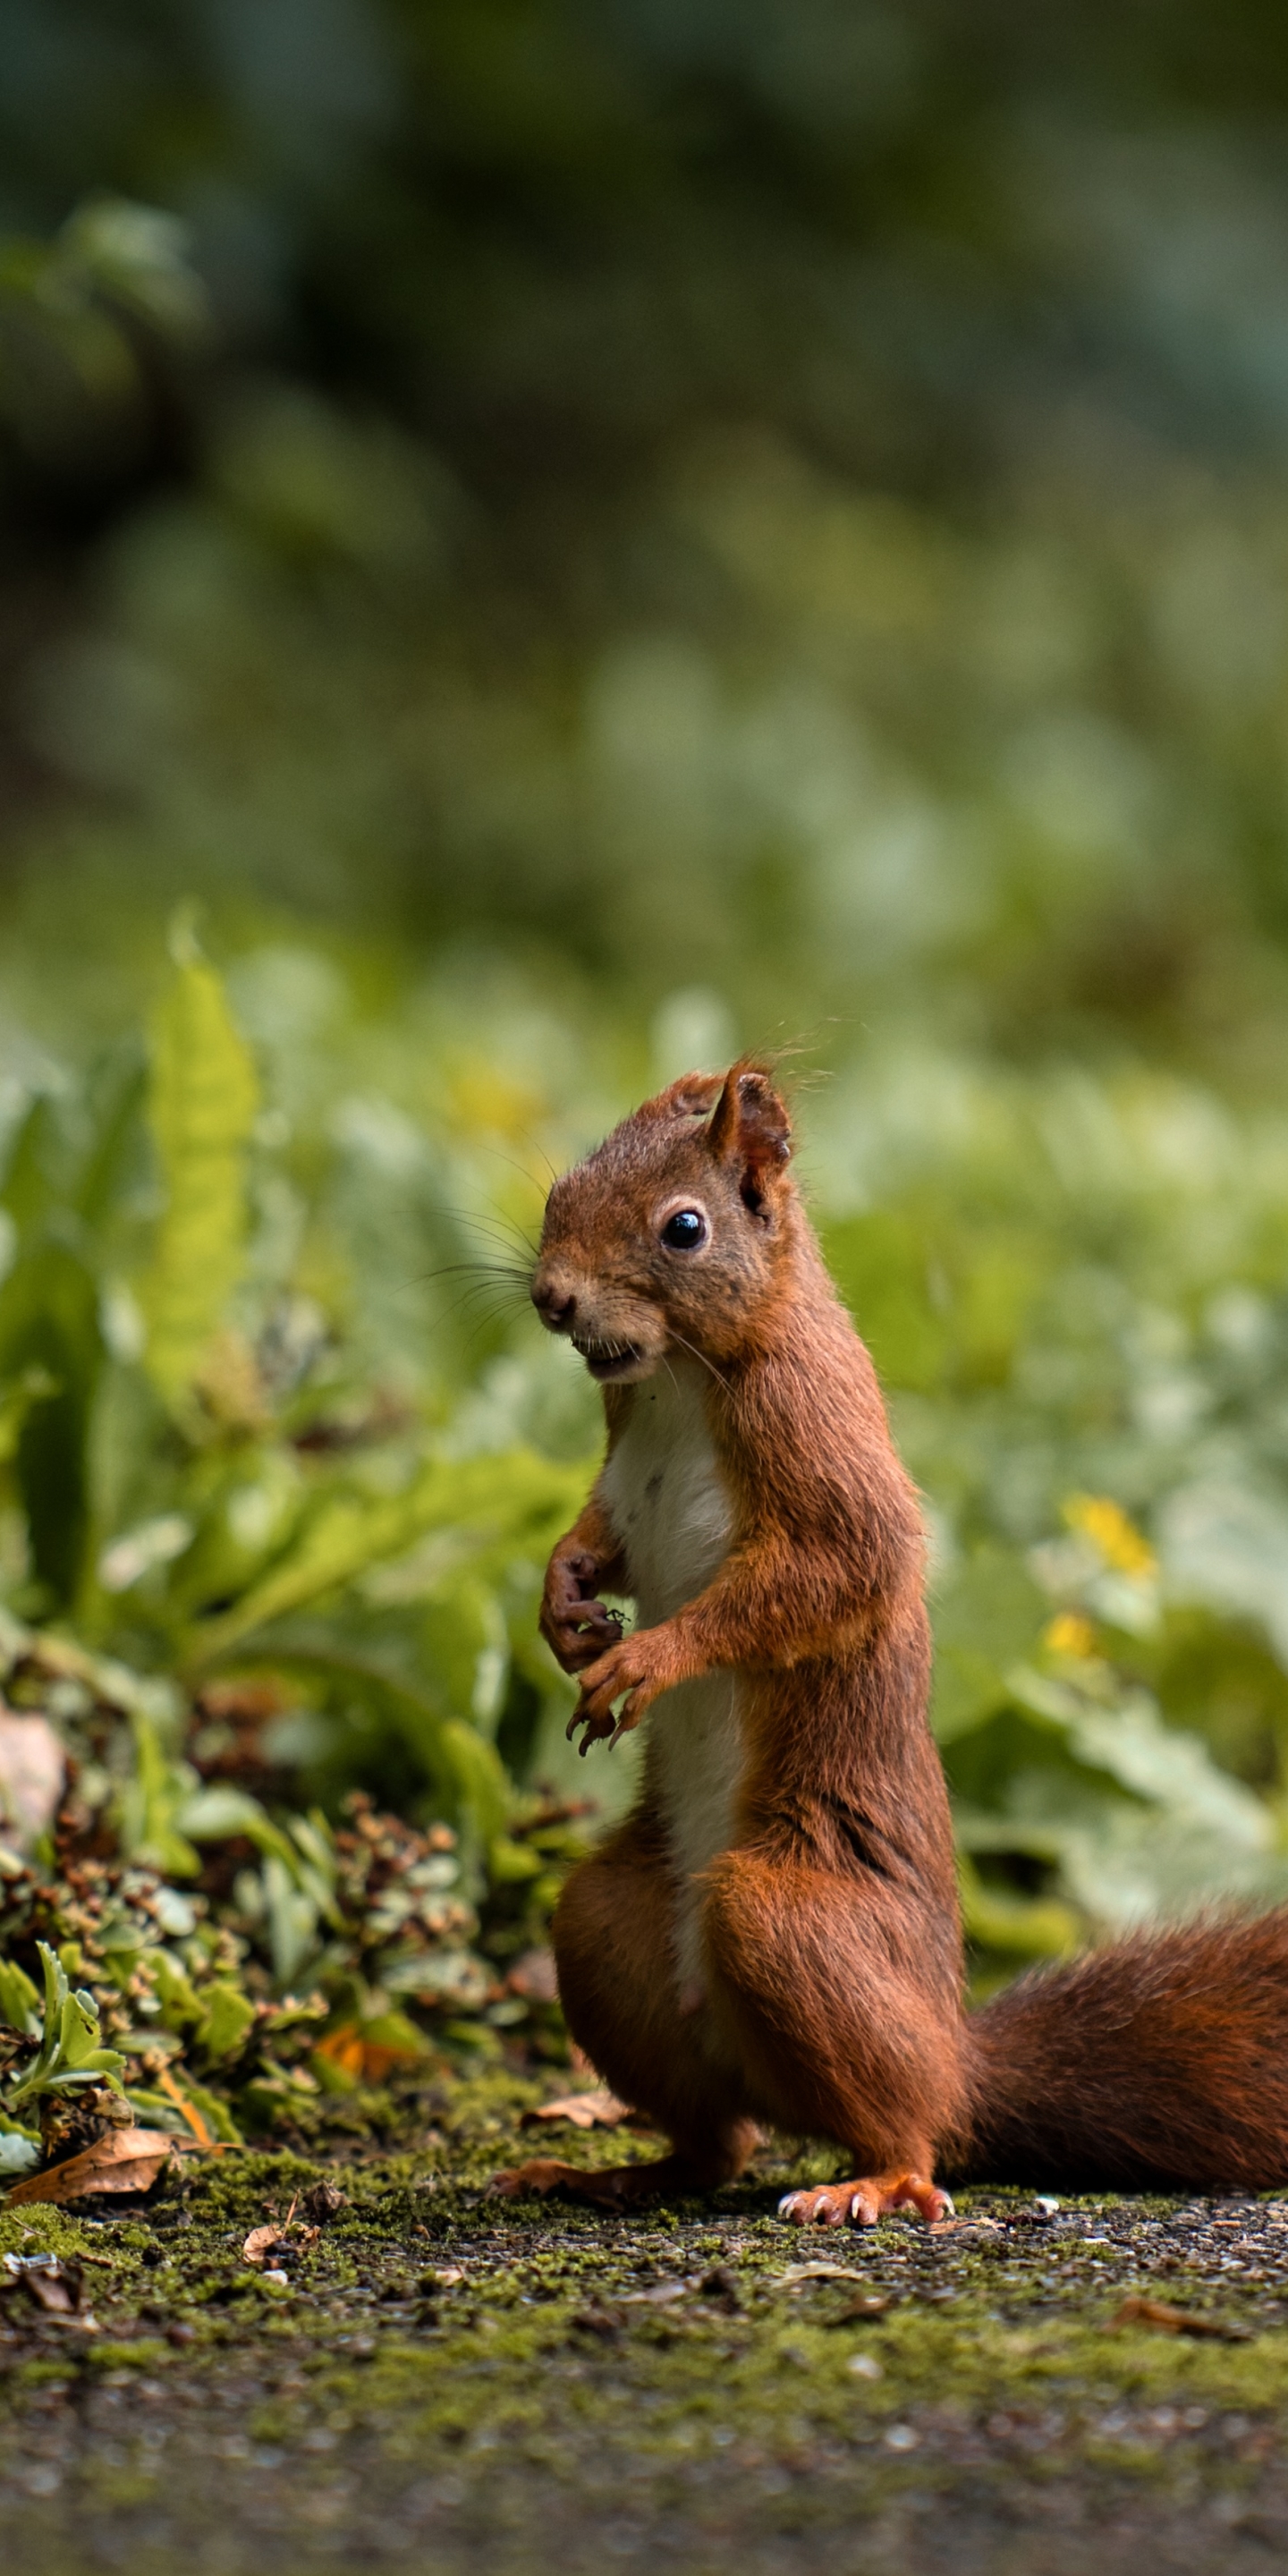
{"x": 684, "y": 1231}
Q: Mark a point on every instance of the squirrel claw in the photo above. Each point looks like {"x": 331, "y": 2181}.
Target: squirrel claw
{"x": 865, "y": 2202}
{"x": 593, "y": 1729}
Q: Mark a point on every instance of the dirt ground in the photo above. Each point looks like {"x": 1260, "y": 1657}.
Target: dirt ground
{"x": 440, "y": 2377}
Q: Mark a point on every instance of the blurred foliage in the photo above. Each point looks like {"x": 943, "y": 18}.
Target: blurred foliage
{"x": 785, "y": 500}
{"x": 569, "y": 542}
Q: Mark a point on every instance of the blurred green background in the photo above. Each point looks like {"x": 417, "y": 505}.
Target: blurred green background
{"x": 546, "y": 544}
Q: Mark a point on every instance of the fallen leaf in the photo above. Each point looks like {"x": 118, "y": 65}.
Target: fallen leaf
{"x": 821, "y": 2272}
{"x": 598, "y": 2110}
{"x": 1177, "y": 2321}
{"x": 262, "y": 2241}
{"x": 56, "y": 2288}
{"x": 58, "y": 2293}
{"x": 283, "y": 2236}
{"x": 124, "y": 2160}
{"x": 322, "y": 2201}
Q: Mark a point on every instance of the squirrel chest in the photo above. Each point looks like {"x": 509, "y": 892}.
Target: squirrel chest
{"x": 672, "y": 1512}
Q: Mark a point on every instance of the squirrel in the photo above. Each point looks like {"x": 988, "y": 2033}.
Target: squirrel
{"x": 773, "y": 1934}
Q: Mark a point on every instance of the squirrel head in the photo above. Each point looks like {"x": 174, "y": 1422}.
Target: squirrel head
{"x": 674, "y": 1231}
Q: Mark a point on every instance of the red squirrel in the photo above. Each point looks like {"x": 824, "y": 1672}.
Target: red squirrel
{"x": 773, "y": 1934}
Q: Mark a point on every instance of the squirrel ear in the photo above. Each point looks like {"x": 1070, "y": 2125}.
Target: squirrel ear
{"x": 751, "y": 1130}
{"x": 690, "y": 1097}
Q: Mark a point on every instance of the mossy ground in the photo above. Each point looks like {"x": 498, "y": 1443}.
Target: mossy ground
{"x": 450, "y": 2378}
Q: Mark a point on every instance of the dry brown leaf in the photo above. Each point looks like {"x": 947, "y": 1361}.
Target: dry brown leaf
{"x": 282, "y": 2236}
{"x": 58, "y": 2293}
{"x": 821, "y": 2272}
{"x": 598, "y": 2110}
{"x": 323, "y": 2201}
{"x": 1177, "y": 2321}
{"x": 262, "y": 2241}
{"x": 125, "y": 2160}
{"x": 57, "y": 2289}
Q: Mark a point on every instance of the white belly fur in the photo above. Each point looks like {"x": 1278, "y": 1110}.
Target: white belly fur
{"x": 671, "y": 1509}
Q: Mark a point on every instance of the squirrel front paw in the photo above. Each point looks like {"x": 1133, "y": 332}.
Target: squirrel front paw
{"x": 638, "y": 1666}
{"x": 576, "y": 1627}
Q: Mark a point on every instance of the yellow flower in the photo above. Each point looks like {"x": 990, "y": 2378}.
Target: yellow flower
{"x": 1070, "y": 1634}
{"x": 1106, "y": 1524}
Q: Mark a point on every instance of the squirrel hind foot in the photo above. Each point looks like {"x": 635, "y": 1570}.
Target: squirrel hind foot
{"x": 863, "y": 2203}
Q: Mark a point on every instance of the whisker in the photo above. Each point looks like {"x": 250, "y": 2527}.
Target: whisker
{"x": 511, "y": 1302}
{"x": 516, "y": 1167}
{"x": 700, "y": 1355}
{"x": 483, "y": 1322}
{"x": 496, "y": 1223}
{"x": 484, "y": 1269}
{"x": 539, "y": 1148}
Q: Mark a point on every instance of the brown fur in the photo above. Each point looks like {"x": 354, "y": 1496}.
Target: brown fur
{"x": 831, "y": 1997}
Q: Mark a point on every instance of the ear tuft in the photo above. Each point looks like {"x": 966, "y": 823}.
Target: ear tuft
{"x": 751, "y": 1128}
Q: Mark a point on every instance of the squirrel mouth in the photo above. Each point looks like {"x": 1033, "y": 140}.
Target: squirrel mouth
{"x": 607, "y": 1360}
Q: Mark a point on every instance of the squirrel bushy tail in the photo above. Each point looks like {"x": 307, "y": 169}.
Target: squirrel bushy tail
{"x": 1160, "y": 2063}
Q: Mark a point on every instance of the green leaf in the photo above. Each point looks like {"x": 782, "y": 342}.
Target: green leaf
{"x": 181, "y": 2006}
{"x": 19, "y": 2000}
{"x": 33, "y": 1385}
{"x": 1031, "y": 1927}
{"x": 486, "y": 1498}
{"x": 1153, "y": 1761}
{"x": 985, "y": 1618}
{"x": 49, "y": 1331}
{"x": 227, "y": 2016}
{"x": 69, "y": 2055}
{"x": 293, "y": 1919}
{"x": 202, "y": 1104}
{"x": 150, "y": 1804}
{"x": 215, "y": 1815}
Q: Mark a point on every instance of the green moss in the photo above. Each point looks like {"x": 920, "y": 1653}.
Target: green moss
{"x": 143, "y": 2352}
{"x": 431, "y": 2331}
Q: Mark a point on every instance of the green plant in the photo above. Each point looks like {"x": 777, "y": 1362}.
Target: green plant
{"x": 65, "y": 2029}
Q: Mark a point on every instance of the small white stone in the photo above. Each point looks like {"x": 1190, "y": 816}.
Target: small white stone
{"x": 863, "y": 2365}
{"x": 900, "y": 2437}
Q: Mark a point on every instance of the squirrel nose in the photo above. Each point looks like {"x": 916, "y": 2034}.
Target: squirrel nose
{"x": 555, "y": 1304}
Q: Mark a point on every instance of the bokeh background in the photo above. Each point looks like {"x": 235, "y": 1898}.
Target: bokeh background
{"x": 545, "y": 544}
